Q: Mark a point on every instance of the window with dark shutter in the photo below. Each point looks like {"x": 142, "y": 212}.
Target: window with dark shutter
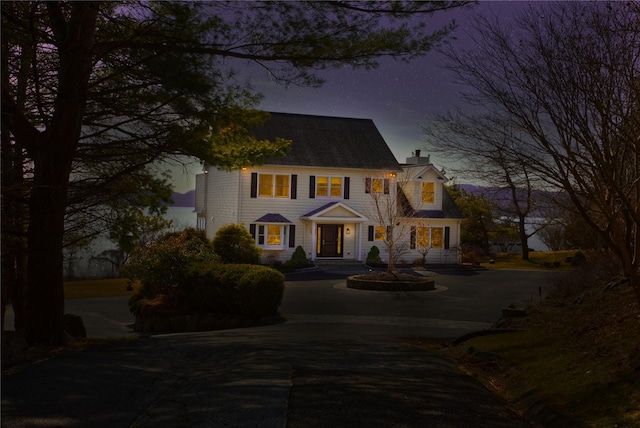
{"x": 294, "y": 186}
{"x": 252, "y": 230}
{"x": 254, "y": 184}
{"x": 312, "y": 187}
{"x": 371, "y": 233}
{"x": 386, "y": 186}
{"x": 367, "y": 185}
{"x": 347, "y": 181}
{"x": 292, "y": 235}
{"x": 412, "y": 244}
{"x": 447, "y": 237}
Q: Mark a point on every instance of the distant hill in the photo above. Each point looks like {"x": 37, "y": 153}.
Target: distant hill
{"x": 184, "y": 199}
{"x": 502, "y": 196}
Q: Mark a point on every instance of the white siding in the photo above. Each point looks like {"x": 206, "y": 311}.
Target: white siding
{"x": 228, "y": 200}
{"x": 293, "y": 209}
{"x": 437, "y": 255}
{"x": 222, "y": 199}
{"x": 414, "y": 191}
{"x": 201, "y": 190}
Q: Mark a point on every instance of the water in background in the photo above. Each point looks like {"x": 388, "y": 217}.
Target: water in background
{"x": 89, "y": 264}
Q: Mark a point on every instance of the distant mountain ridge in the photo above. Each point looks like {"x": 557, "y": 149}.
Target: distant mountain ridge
{"x": 184, "y": 199}
{"x": 502, "y": 197}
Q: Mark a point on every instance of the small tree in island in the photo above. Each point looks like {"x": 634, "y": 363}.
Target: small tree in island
{"x": 389, "y": 211}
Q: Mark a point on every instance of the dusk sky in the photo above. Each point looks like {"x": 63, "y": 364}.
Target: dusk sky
{"x": 399, "y": 97}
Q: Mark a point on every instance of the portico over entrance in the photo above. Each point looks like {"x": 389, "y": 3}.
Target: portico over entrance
{"x": 336, "y": 232}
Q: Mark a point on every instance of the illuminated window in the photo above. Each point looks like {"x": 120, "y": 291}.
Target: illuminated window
{"x": 329, "y": 187}
{"x": 428, "y": 193}
{"x": 423, "y": 237}
{"x": 431, "y": 237}
{"x": 380, "y": 233}
{"x": 336, "y": 187}
{"x": 437, "y": 237}
{"x": 273, "y": 186}
{"x": 282, "y": 186}
{"x": 376, "y": 185}
{"x": 272, "y": 235}
{"x": 265, "y": 184}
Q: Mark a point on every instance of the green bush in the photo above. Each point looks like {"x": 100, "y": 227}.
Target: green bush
{"x": 260, "y": 291}
{"x": 165, "y": 262}
{"x": 298, "y": 259}
{"x": 234, "y": 244}
{"x": 236, "y": 289}
{"x": 374, "y": 256}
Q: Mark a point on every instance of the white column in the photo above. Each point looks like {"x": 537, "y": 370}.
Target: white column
{"x": 314, "y": 239}
{"x": 359, "y": 242}
{"x": 459, "y": 252}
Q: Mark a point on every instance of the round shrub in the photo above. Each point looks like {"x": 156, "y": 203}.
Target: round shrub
{"x": 234, "y": 244}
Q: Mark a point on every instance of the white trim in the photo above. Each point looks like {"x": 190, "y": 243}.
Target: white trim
{"x": 424, "y": 170}
{"x": 320, "y": 215}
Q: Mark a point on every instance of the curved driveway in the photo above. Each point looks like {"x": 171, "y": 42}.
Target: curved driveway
{"x": 337, "y": 361}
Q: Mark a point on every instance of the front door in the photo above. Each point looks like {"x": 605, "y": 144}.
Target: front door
{"x": 329, "y": 240}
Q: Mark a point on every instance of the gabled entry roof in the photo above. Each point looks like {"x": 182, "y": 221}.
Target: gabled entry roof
{"x": 335, "y": 211}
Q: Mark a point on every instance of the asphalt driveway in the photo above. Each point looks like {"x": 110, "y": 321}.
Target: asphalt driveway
{"x": 338, "y": 360}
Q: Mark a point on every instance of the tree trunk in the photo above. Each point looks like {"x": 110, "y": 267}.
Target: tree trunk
{"x": 524, "y": 239}
{"x": 45, "y": 292}
{"x": 52, "y": 160}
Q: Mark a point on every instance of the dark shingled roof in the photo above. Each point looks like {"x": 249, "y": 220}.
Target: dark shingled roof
{"x": 449, "y": 209}
{"x": 333, "y": 142}
{"x": 272, "y": 218}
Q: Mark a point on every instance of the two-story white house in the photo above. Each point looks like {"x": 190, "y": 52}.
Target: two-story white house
{"x": 320, "y": 195}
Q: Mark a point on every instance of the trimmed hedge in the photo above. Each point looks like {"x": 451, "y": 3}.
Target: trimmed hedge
{"x": 236, "y": 289}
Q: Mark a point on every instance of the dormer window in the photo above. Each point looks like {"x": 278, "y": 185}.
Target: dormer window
{"x": 428, "y": 192}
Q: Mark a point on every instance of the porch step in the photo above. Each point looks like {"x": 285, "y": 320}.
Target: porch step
{"x": 338, "y": 262}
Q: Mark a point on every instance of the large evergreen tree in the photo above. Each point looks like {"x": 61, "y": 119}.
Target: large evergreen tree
{"x": 95, "y": 92}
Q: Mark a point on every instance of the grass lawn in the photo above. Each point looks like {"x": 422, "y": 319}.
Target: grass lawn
{"x": 537, "y": 260}
{"x": 582, "y": 359}
{"x": 97, "y": 288}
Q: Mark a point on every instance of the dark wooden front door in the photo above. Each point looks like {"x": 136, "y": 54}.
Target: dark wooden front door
{"x": 329, "y": 240}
